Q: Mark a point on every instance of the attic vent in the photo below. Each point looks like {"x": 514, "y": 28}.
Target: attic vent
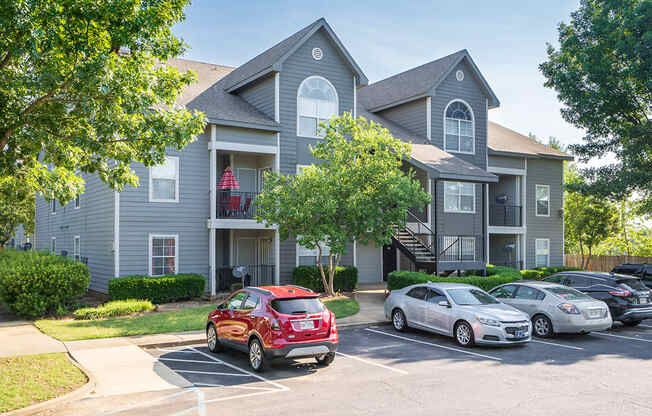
{"x": 317, "y": 54}
{"x": 459, "y": 75}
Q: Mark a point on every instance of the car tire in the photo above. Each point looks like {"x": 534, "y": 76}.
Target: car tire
{"x": 541, "y": 326}
{"x": 399, "y": 322}
{"x": 463, "y": 333}
{"x": 212, "y": 339}
{"x": 326, "y": 359}
{"x": 256, "y": 355}
{"x": 631, "y": 323}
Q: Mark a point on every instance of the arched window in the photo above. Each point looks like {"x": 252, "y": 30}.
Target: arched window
{"x": 316, "y": 102}
{"x": 459, "y": 128}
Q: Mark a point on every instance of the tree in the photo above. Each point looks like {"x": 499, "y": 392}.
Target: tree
{"x": 16, "y": 207}
{"x": 356, "y": 191}
{"x": 83, "y": 90}
{"x": 588, "y": 220}
{"x": 602, "y": 73}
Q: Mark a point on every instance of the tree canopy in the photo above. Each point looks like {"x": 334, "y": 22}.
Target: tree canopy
{"x": 16, "y": 207}
{"x": 355, "y": 191}
{"x": 602, "y": 73}
{"x": 83, "y": 90}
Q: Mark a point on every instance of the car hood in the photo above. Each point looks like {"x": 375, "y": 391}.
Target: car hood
{"x": 499, "y": 311}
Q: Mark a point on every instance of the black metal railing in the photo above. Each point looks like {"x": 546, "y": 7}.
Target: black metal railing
{"x": 236, "y": 204}
{"x": 458, "y": 248}
{"x": 421, "y": 232}
{"x": 513, "y": 264}
{"x": 257, "y": 275}
{"x": 505, "y": 215}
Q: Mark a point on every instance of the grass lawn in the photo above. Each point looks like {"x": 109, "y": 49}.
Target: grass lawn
{"x": 343, "y": 307}
{"x": 152, "y": 323}
{"x": 30, "y": 379}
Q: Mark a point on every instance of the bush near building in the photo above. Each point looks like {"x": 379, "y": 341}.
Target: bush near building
{"x": 496, "y": 275}
{"x": 345, "y": 280}
{"x": 160, "y": 289}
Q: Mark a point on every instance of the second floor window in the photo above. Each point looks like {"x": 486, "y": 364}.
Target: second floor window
{"x": 459, "y": 197}
{"x": 543, "y": 200}
{"x": 459, "y": 128}
{"x": 164, "y": 181}
{"x": 53, "y": 206}
{"x": 77, "y": 202}
{"x": 316, "y": 102}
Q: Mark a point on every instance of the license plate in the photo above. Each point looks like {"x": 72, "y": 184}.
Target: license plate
{"x": 643, "y": 300}
{"x": 519, "y": 334}
{"x": 594, "y": 313}
{"x": 306, "y": 325}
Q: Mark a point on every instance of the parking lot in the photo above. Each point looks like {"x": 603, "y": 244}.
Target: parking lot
{"x": 381, "y": 371}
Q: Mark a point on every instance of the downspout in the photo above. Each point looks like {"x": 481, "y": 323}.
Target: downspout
{"x": 434, "y": 227}
{"x": 484, "y": 228}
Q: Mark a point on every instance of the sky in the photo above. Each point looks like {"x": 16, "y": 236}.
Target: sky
{"x": 506, "y": 39}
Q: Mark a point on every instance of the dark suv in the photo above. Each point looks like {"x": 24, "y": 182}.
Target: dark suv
{"x": 642, "y": 270}
{"x": 627, "y": 297}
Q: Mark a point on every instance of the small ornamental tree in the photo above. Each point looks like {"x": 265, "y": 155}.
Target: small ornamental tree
{"x": 355, "y": 192}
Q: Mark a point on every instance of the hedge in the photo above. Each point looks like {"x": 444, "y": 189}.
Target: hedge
{"x": 496, "y": 275}
{"x": 34, "y": 283}
{"x": 114, "y": 308}
{"x": 540, "y": 273}
{"x": 345, "y": 280}
{"x": 159, "y": 289}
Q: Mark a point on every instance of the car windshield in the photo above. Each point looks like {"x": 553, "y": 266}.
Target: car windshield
{"x": 635, "y": 284}
{"x": 568, "y": 293}
{"x": 471, "y": 297}
{"x": 297, "y": 306}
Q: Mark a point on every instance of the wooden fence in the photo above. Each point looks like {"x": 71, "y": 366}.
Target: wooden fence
{"x": 603, "y": 263}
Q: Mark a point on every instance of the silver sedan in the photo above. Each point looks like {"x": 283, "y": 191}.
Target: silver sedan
{"x": 464, "y": 312}
{"x": 554, "y": 308}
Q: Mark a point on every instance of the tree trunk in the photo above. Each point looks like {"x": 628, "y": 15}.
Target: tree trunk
{"x": 323, "y": 274}
{"x": 331, "y": 271}
{"x": 582, "y": 253}
{"x": 588, "y": 259}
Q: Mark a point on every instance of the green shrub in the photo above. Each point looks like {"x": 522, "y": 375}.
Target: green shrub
{"x": 532, "y": 274}
{"x": 345, "y": 280}
{"x": 114, "y": 308}
{"x": 547, "y": 271}
{"x": 236, "y": 286}
{"x": 496, "y": 275}
{"x": 159, "y": 289}
{"x": 35, "y": 283}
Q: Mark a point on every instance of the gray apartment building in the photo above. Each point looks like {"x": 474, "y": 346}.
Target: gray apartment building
{"x": 497, "y": 196}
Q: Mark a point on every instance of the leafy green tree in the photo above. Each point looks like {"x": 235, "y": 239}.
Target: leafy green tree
{"x": 83, "y": 90}
{"x": 601, "y": 72}
{"x": 356, "y": 191}
{"x": 16, "y": 207}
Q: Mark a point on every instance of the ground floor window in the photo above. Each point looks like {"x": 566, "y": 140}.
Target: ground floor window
{"x": 53, "y": 245}
{"x": 76, "y": 248}
{"x": 308, "y": 257}
{"x": 163, "y": 258}
{"x": 542, "y": 252}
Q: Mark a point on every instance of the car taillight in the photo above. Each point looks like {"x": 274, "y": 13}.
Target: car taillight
{"x": 386, "y": 293}
{"x": 569, "y": 308}
{"x": 620, "y": 293}
{"x": 333, "y": 325}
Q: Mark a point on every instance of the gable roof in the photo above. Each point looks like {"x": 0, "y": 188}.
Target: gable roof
{"x": 271, "y": 59}
{"x": 417, "y": 82}
{"x": 507, "y": 142}
{"x": 207, "y": 95}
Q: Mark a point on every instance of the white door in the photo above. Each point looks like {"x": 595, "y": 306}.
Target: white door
{"x": 370, "y": 263}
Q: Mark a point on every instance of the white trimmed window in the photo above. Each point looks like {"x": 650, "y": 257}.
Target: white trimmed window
{"x": 53, "y": 206}
{"x": 459, "y": 128}
{"x": 543, "y": 200}
{"x": 163, "y": 254}
{"x": 53, "y": 245}
{"x": 542, "y": 258}
{"x": 76, "y": 248}
{"x": 308, "y": 257}
{"x": 316, "y": 102}
{"x": 459, "y": 197}
{"x": 77, "y": 202}
{"x": 164, "y": 181}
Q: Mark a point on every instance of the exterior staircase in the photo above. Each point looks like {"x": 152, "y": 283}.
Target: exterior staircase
{"x": 417, "y": 243}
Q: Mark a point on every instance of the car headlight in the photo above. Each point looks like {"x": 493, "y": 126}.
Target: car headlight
{"x": 488, "y": 321}
{"x": 569, "y": 308}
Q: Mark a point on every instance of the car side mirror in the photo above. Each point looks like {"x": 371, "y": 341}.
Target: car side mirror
{"x": 221, "y": 306}
{"x": 444, "y": 303}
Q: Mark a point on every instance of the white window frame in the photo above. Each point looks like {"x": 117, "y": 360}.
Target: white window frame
{"x": 176, "y": 252}
{"x": 53, "y": 245}
{"x": 53, "y": 207}
{"x": 337, "y": 103}
{"x": 77, "y": 201}
{"x": 472, "y": 127}
{"x": 536, "y": 200}
{"x": 76, "y": 256}
{"x": 536, "y": 243}
{"x": 459, "y": 195}
{"x": 176, "y": 187}
{"x": 300, "y": 168}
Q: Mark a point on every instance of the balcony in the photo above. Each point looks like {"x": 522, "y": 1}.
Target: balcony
{"x": 236, "y": 205}
{"x": 501, "y": 215}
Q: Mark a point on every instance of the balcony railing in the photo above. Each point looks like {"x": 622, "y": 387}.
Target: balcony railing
{"x": 236, "y": 204}
{"x": 257, "y": 275}
{"x": 458, "y": 248}
{"x": 505, "y": 215}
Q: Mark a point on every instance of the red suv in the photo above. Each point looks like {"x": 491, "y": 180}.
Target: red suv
{"x": 274, "y": 322}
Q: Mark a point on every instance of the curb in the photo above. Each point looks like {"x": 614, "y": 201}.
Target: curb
{"x": 354, "y": 325}
{"x": 61, "y": 400}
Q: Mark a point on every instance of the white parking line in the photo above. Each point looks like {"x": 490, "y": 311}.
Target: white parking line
{"x": 184, "y": 351}
{"x": 168, "y": 396}
{"x": 621, "y": 336}
{"x": 435, "y": 345}
{"x": 234, "y": 387}
{"x": 557, "y": 345}
{"x": 212, "y": 372}
{"x": 240, "y": 396}
{"x": 396, "y": 370}
{"x": 188, "y": 361}
{"x": 382, "y": 347}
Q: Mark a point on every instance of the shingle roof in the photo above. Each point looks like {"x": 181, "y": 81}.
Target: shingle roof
{"x": 417, "y": 82}
{"x": 502, "y": 140}
{"x": 208, "y": 95}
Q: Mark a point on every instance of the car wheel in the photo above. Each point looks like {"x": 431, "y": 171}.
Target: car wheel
{"x": 542, "y": 326}
{"x": 398, "y": 320}
{"x": 256, "y": 355}
{"x": 464, "y": 334}
{"x": 631, "y": 323}
{"x": 212, "y": 340}
{"x": 325, "y": 359}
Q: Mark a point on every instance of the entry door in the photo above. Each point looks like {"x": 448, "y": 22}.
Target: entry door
{"x": 265, "y": 251}
{"x": 246, "y": 251}
{"x": 247, "y": 179}
{"x": 370, "y": 262}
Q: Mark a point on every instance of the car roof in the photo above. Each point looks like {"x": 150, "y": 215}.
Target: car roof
{"x": 444, "y": 285}
{"x": 534, "y": 283}
{"x": 602, "y": 275}
{"x": 288, "y": 291}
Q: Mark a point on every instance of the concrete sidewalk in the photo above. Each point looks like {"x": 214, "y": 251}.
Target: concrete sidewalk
{"x": 26, "y": 340}
{"x": 371, "y": 299}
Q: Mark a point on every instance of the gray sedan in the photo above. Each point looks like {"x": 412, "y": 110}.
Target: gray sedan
{"x": 554, "y": 308}
{"x": 464, "y": 312}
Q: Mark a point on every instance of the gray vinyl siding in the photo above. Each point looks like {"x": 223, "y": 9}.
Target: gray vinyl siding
{"x": 506, "y": 186}
{"x": 242, "y": 136}
{"x": 92, "y": 222}
{"x": 261, "y": 95}
{"x": 295, "y": 69}
{"x": 545, "y": 172}
{"x": 412, "y": 116}
{"x": 186, "y": 218}
{"x": 470, "y": 91}
{"x": 507, "y": 162}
